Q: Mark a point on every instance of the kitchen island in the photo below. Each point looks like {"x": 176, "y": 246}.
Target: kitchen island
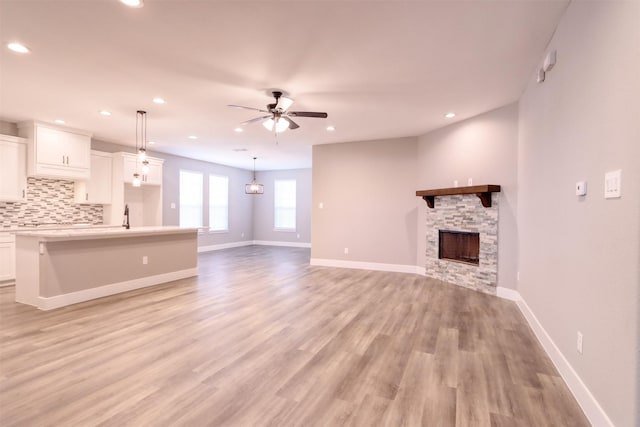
{"x": 55, "y": 268}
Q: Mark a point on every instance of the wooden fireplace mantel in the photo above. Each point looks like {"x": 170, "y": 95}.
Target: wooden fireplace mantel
{"x": 482, "y": 191}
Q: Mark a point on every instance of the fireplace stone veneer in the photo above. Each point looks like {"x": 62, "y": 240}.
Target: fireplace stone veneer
{"x": 464, "y": 213}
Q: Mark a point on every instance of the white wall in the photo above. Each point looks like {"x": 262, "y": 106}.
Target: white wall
{"x": 263, "y": 207}
{"x": 579, "y": 257}
{"x": 368, "y": 193}
{"x": 485, "y": 149}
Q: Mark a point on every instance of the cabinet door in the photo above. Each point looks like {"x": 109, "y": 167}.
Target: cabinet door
{"x": 154, "y": 177}
{"x": 7, "y": 259}
{"x": 97, "y": 189}
{"x": 130, "y": 167}
{"x": 100, "y": 182}
{"x": 13, "y": 171}
{"x": 51, "y": 146}
{"x": 77, "y": 148}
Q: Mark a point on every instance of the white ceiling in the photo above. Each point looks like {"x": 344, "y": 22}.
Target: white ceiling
{"x": 381, "y": 69}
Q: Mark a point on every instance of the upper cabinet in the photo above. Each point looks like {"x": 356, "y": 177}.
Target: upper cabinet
{"x": 56, "y": 152}
{"x": 131, "y": 165}
{"x": 96, "y": 189}
{"x": 13, "y": 169}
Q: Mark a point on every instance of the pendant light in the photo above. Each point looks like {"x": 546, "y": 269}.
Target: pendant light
{"x": 254, "y": 187}
{"x": 141, "y": 146}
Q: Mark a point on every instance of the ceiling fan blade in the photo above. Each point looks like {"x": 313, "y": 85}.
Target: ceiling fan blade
{"x": 307, "y": 114}
{"x": 292, "y": 124}
{"x": 247, "y": 108}
{"x": 257, "y": 119}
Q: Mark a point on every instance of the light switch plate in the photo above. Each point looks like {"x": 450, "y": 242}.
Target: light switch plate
{"x": 581, "y": 188}
{"x": 613, "y": 184}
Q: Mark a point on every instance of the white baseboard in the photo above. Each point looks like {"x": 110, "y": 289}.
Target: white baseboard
{"x": 590, "y": 406}
{"x": 209, "y": 248}
{"x": 397, "y": 268}
{"x": 506, "y": 293}
{"x": 49, "y": 303}
{"x": 289, "y": 244}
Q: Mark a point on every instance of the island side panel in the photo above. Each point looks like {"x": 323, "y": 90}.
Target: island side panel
{"x": 78, "y": 265}
{"x": 27, "y": 270}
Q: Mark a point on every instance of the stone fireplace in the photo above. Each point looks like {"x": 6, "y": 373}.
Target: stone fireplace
{"x": 453, "y": 224}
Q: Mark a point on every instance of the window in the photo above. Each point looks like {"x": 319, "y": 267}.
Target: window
{"x": 191, "y": 184}
{"x": 218, "y": 203}
{"x": 285, "y": 205}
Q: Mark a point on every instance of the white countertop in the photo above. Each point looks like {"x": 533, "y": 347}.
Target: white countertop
{"x": 102, "y": 232}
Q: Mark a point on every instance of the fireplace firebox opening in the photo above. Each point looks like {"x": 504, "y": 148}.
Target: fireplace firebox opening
{"x": 459, "y": 246}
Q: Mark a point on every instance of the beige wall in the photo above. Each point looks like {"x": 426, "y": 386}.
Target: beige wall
{"x": 263, "y": 207}
{"x": 483, "y": 148}
{"x": 579, "y": 258}
{"x": 368, "y": 192}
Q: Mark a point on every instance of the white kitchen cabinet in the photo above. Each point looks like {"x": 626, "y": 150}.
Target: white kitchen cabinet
{"x": 56, "y": 152}
{"x": 97, "y": 189}
{"x": 13, "y": 169}
{"x": 132, "y": 164}
{"x": 7, "y": 257}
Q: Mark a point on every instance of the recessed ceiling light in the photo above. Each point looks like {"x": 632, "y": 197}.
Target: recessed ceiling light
{"x": 17, "y": 47}
{"x": 192, "y": 137}
{"x": 151, "y": 142}
{"x": 450, "y": 115}
{"x": 331, "y": 128}
{"x": 239, "y": 129}
{"x": 105, "y": 113}
{"x": 159, "y": 100}
{"x": 59, "y": 121}
{"x": 240, "y": 149}
{"x": 133, "y": 3}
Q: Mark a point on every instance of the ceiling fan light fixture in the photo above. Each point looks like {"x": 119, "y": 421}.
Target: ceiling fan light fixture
{"x": 281, "y": 124}
{"x": 284, "y": 103}
{"x": 132, "y": 3}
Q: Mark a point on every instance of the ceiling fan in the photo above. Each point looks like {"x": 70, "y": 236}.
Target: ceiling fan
{"x": 278, "y": 116}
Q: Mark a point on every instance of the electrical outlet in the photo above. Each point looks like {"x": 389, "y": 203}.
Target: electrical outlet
{"x": 298, "y": 235}
{"x": 346, "y": 250}
{"x": 145, "y": 260}
{"x": 518, "y": 276}
{"x": 241, "y": 234}
{"x": 579, "y": 343}
{"x": 173, "y": 205}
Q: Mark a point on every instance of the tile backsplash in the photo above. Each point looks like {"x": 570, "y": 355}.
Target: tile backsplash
{"x": 48, "y": 201}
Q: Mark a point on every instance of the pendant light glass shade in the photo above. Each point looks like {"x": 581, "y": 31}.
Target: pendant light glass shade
{"x": 281, "y": 124}
{"x": 254, "y": 187}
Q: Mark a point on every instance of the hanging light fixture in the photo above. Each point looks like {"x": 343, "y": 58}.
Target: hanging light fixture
{"x": 141, "y": 146}
{"x": 254, "y": 187}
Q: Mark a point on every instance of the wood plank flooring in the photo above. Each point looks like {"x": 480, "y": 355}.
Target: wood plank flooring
{"x": 260, "y": 338}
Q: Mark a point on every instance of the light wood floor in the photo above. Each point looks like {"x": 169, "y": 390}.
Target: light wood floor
{"x": 262, "y": 338}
